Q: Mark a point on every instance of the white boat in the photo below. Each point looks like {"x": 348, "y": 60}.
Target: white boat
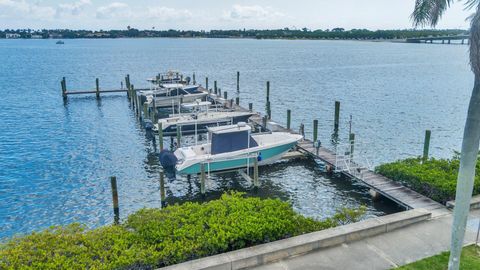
{"x": 199, "y": 119}
{"x": 234, "y": 147}
{"x": 173, "y": 94}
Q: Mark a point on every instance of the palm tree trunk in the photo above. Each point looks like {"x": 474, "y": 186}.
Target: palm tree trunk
{"x": 468, "y": 157}
{"x": 466, "y": 174}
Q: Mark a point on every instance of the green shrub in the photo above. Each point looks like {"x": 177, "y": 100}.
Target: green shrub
{"x": 153, "y": 238}
{"x": 434, "y": 178}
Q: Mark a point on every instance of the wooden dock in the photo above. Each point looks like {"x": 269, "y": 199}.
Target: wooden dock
{"x": 388, "y": 188}
{"x": 377, "y": 183}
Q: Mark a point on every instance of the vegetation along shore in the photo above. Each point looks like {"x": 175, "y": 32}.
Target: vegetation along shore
{"x": 286, "y": 33}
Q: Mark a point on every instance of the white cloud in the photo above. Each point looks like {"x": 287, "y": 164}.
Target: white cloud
{"x": 22, "y": 8}
{"x": 115, "y": 9}
{"x": 255, "y": 12}
{"x": 74, "y": 8}
{"x": 169, "y": 14}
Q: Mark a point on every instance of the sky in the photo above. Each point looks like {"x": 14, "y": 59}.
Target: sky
{"x": 217, "y": 14}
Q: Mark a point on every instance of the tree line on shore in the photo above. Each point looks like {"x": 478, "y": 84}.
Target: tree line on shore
{"x": 286, "y": 33}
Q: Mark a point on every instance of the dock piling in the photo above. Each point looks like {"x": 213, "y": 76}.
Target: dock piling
{"x": 215, "y": 87}
{"x": 238, "y": 81}
{"x": 206, "y": 83}
{"x": 145, "y": 111}
{"x": 154, "y": 115}
{"x": 337, "y": 115}
{"x": 64, "y": 88}
{"x": 250, "y": 107}
{"x": 269, "y": 110}
{"x": 264, "y": 122}
{"x": 179, "y": 136}
{"x": 255, "y": 173}
{"x": 268, "y": 91}
{"x": 237, "y": 100}
{"x": 426, "y": 144}
{"x": 116, "y": 210}
{"x": 289, "y": 118}
{"x": 98, "y": 88}
{"x": 315, "y": 130}
{"x": 160, "y": 136}
{"x": 202, "y": 178}
{"x": 162, "y": 187}
{"x": 194, "y": 81}
{"x": 225, "y": 95}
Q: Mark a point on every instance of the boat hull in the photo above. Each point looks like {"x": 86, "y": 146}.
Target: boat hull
{"x": 268, "y": 156}
{"x": 202, "y": 126}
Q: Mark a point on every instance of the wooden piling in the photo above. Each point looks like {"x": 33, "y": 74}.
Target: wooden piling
{"x": 179, "y": 135}
{"x": 315, "y": 130}
{"x": 202, "y": 178}
{"x": 268, "y": 91}
{"x": 426, "y": 144}
{"x": 116, "y": 209}
{"x": 154, "y": 116}
{"x": 128, "y": 87}
{"x": 194, "y": 81}
{"x": 225, "y": 95}
{"x": 145, "y": 111}
{"x": 206, "y": 83}
{"x": 64, "y": 88}
{"x": 160, "y": 136}
{"x": 250, "y": 107}
{"x": 264, "y": 122}
{"x": 162, "y": 187}
{"x": 289, "y": 118}
{"x": 256, "y": 183}
{"x": 337, "y": 114}
{"x": 238, "y": 81}
{"x": 237, "y": 100}
{"x": 98, "y": 88}
{"x": 219, "y": 92}
{"x": 215, "y": 87}
{"x": 269, "y": 110}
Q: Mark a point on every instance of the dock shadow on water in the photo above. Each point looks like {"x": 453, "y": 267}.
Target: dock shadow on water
{"x": 310, "y": 191}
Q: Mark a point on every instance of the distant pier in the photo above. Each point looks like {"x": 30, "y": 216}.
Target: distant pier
{"x": 463, "y": 39}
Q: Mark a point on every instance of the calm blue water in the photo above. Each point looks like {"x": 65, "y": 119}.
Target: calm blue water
{"x": 55, "y": 158}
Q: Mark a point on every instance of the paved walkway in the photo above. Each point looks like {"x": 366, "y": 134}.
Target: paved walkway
{"x": 385, "y": 251}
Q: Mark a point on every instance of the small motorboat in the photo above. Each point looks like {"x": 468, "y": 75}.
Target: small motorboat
{"x": 233, "y": 147}
{"x": 169, "y": 77}
{"x": 199, "y": 119}
{"x": 171, "y": 95}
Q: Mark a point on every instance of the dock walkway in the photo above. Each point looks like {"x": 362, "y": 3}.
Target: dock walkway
{"x": 379, "y": 183}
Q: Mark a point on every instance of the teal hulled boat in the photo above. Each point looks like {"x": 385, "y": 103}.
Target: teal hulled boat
{"x": 234, "y": 147}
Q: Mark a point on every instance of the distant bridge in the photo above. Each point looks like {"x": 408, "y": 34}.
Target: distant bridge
{"x": 444, "y": 39}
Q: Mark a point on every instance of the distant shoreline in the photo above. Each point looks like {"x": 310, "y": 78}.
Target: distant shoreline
{"x": 283, "y": 34}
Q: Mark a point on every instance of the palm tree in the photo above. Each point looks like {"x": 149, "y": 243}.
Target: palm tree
{"x": 428, "y": 12}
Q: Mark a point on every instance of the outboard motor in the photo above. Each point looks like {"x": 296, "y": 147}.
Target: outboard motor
{"x": 167, "y": 159}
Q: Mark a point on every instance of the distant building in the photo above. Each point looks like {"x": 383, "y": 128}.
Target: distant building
{"x": 54, "y": 35}
{"x": 36, "y": 36}
{"x": 12, "y": 35}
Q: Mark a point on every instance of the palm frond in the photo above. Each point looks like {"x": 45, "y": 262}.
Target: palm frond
{"x": 428, "y": 12}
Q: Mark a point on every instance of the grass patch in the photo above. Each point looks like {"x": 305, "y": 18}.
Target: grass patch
{"x": 152, "y": 238}
{"x": 470, "y": 260}
{"x": 434, "y": 178}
